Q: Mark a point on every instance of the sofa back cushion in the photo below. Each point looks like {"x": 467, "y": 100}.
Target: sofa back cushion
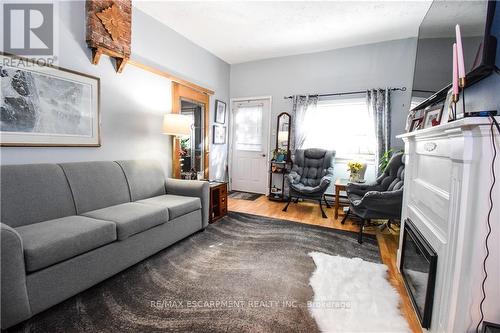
{"x": 32, "y": 193}
{"x": 145, "y": 178}
{"x": 96, "y": 185}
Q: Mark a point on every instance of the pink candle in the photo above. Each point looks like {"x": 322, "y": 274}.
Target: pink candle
{"x": 455, "y": 70}
{"x": 460, "y": 53}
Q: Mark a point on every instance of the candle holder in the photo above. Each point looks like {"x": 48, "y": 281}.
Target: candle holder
{"x": 461, "y": 82}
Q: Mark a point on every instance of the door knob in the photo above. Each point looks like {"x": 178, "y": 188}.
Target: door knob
{"x": 263, "y": 155}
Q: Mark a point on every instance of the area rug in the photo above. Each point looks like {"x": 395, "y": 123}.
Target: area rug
{"x": 244, "y": 273}
{"x": 357, "y": 298}
{"x": 244, "y": 195}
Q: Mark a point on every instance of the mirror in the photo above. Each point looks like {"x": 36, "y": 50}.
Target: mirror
{"x": 283, "y": 135}
{"x": 192, "y": 147}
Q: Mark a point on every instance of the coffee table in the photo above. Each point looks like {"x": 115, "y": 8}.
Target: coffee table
{"x": 340, "y": 185}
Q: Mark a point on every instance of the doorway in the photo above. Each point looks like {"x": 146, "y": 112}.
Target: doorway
{"x": 250, "y": 144}
{"x": 192, "y": 147}
{"x": 197, "y": 103}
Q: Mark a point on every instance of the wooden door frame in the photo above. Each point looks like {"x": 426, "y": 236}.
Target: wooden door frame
{"x": 179, "y": 92}
{"x": 232, "y": 101}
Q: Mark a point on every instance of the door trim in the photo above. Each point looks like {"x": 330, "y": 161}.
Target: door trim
{"x": 231, "y": 134}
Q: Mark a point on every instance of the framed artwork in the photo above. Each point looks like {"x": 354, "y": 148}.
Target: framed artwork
{"x": 416, "y": 124}
{"x": 219, "y": 135}
{"x": 432, "y": 116}
{"x": 448, "y": 108}
{"x": 220, "y": 112}
{"x": 47, "y": 106}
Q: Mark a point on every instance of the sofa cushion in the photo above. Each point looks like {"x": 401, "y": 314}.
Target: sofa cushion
{"x": 145, "y": 178}
{"x": 47, "y": 243}
{"x": 96, "y": 185}
{"x": 33, "y": 193}
{"x": 131, "y": 217}
{"x": 177, "y": 205}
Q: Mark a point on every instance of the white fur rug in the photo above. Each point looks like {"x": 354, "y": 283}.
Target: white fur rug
{"x": 353, "y": 295}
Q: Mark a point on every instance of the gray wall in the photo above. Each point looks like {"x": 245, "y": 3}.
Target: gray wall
{"x": 132, "y": 103}
{"x": 386, "y": 64}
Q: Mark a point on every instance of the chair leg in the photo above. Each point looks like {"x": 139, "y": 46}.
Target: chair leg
{"x": 326, "y": 202}
{"x": 322, "y": 211}
{"x": 287, "y": 204}
{"x": 360, "y": 235}
{"x": 296, "y": 200}
{"x": 345, "y": 216}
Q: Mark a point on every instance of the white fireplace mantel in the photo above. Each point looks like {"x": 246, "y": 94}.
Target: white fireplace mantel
{"x": 447, "y": 182}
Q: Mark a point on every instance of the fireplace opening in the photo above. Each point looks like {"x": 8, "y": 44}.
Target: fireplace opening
{"x": 418, "y": 268}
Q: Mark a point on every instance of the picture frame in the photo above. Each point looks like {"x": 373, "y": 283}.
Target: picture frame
{"x": 47, "y": 106}
{"x": 220, "y": 112}
{"x": 432, "y": 116}
{"x": 447, "y": 108}
{"x": 219, "y": 135}
{"x": 416, "y": 124}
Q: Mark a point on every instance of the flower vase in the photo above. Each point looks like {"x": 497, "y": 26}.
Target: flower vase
{"x": 354, "y": 177}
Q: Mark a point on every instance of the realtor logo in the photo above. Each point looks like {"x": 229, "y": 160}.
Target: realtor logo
{"x": 28, "y": 28}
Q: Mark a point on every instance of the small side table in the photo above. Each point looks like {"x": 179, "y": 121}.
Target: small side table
{"x": 340, "y": 185}
{"x": 218, "y": 201}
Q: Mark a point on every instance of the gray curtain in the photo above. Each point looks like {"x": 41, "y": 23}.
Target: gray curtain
{"x": 379, "y": 108}
{"x": 301, "y": 107}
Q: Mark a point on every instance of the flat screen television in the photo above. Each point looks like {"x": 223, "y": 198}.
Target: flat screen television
{"x": 479, "y": 22}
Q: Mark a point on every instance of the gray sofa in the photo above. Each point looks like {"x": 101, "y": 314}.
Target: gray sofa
{"x": 66, "y": 227}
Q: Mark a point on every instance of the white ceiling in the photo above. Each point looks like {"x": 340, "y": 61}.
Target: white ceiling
{"x": 244, "y": 31}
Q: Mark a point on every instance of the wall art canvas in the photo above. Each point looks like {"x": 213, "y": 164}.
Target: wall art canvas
{"x": 220, "y": 112}
{"x": 219, "y": 135}
{"x": 47, "y": 106}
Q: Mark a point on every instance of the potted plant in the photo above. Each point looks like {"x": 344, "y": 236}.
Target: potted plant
{"x": 384, "y": 160}
{"x": 354, "y": 167}
{"x": 279, "y": 154}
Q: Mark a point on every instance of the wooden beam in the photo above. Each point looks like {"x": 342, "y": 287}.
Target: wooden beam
{"x": 170, "y": 77}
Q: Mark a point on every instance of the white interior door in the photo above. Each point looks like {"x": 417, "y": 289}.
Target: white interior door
{"x": 250, "y": 145}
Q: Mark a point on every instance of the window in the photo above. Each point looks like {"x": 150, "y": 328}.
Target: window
{"x": 248, "y": 127}
{"x": 343, "y": 125}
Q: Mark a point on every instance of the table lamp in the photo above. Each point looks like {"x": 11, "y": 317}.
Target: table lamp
{"x": 177, "y": 125}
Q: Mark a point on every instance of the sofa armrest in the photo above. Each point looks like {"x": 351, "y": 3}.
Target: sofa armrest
{"x": 192, "y": 188}
{"x": 292, "y": 177}
{"x": 382, "y": 201}
{"x": 362, "y": 189}
{"x": 15, "y": 306}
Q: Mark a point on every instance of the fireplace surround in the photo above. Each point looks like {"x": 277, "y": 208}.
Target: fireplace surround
{"x": 418, "y": 268}
{"x": 446, "y": 197}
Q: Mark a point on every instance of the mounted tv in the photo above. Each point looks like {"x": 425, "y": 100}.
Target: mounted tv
{"x": 479, "y": 23}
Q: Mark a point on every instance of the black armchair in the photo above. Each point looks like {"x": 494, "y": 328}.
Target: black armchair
{"x": 311, "y": 174}
{"x": 382, "y": 199}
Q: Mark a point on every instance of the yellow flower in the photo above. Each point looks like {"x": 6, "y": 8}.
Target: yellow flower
{"x": 354, "y": 166}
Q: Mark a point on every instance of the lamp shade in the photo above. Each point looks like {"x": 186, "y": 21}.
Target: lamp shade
{"x": 176, "y": 124}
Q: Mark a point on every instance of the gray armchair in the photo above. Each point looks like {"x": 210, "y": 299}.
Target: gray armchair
{"x": 382, "y": 199}
{"x": 311, "y": 174}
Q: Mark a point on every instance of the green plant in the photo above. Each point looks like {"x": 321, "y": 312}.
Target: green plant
{"x": 384, "y": 160}
{"x": 279, "y": 151}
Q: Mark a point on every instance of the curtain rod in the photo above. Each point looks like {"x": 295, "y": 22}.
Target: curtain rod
{"x": 347, "y": 93}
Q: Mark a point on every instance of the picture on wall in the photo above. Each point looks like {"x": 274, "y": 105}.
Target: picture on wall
{"x": 47, "y": 106}
{"x": 219, "y": 135}
{"x": 220, "y": 112}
